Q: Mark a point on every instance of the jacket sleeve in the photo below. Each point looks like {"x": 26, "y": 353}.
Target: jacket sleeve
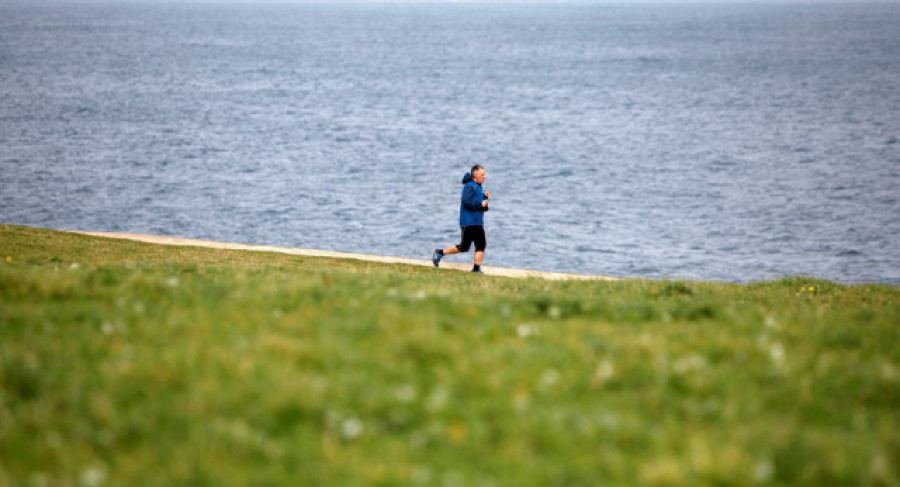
{"x": 472, "y": 198}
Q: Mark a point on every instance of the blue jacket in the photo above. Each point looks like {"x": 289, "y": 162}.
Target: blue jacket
{"x": 470, "y": 210}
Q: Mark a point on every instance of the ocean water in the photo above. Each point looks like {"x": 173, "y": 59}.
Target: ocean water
{"x": 733, "y": 143}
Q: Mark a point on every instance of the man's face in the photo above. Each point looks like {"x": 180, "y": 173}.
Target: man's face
{"x": 479, "y": 176}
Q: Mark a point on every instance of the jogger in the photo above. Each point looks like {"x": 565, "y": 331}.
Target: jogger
{"x": 473, "y": 204}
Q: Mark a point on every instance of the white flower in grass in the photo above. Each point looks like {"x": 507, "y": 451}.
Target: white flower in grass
{"x": 762, "y": 473}
{"x": 107, "y": 328}
{"x": 438, "y": 398}
{"x": 351, "y": 429}
{"x": 405, "y": 393}
{"x": 549, "y": 378}
{"x": 554, "y": 312}
{"x": 688, "y": 364}
{"x": 604, "y": 372}
{"x": 524, "y": 331}
{"x": 92, "y": 476}
{"x": 776, "y": 351}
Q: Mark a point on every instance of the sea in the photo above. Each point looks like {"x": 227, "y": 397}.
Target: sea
{"x": 725, "y": 142}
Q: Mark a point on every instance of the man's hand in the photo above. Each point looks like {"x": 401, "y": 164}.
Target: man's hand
{"x": 484, "y": 204}
{"x": 487, "y": 195}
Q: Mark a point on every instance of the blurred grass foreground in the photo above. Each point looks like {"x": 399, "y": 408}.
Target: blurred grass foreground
{"x": 126, "y": 363}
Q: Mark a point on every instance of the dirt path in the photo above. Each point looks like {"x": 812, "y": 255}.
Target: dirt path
{"x": 488, "y": 270}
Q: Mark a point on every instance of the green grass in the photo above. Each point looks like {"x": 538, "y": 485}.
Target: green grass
{"x": 124, "y": 363}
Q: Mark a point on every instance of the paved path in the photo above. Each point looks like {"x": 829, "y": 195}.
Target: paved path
{"x": 488, "y": 270}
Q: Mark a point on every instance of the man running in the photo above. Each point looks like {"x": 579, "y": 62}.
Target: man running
{"x": 473, "y": 204}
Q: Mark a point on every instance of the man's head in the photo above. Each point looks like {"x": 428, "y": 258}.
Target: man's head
{"x": 478, "y": 173}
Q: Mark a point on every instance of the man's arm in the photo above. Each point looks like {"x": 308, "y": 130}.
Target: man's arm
{"x": 473, "y": 198}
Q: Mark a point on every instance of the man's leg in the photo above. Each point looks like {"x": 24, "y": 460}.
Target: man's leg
{"x": 441, "y": 253}
{"x": 453, "y": 249}
{"x": 480, "y": 244}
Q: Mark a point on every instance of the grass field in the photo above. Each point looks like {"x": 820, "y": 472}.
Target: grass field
{"x": 124, "y": 363}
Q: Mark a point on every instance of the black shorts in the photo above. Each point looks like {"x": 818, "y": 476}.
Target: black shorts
{"x": 470, "y": 234}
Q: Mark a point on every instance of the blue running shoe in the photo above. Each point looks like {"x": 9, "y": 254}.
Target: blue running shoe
{"x": 436, "y": 257}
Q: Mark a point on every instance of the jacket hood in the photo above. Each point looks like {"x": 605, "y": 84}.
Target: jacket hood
{"x": 467, "y": 178}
